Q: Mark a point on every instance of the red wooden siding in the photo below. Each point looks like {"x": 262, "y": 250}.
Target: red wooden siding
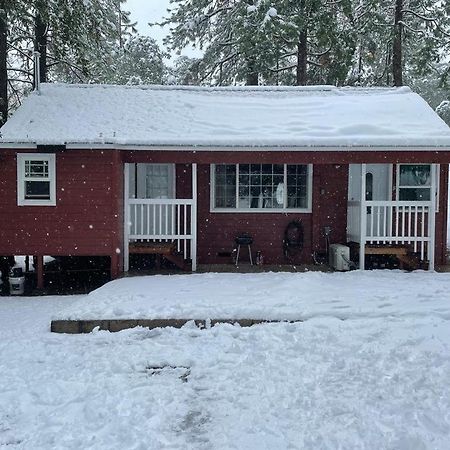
{"x": 201, "y": 156}
{"x": 441, "y": 217}
{"x": 87, "y": 219}
{"x": 217, "y": 231}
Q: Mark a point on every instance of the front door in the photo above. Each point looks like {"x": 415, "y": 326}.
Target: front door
{"x": 153, "y": 182}
{"x": 378, "y": 182}
{"x": 378, "y": 187}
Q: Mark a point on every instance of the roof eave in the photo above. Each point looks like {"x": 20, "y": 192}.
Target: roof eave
{"x": 225, "y": 148}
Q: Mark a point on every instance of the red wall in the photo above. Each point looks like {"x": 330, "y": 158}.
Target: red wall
{"x": 217, "y": 231}
{"x": 441, "y": 218}
{"x": 88, "y": 216}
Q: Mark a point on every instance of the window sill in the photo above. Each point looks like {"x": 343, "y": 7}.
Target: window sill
{"x": 36, "y": 203}
{"x": 263, "y": 211}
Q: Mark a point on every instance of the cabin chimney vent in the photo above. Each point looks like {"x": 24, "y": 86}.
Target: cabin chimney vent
{"x": 37, "y": 72}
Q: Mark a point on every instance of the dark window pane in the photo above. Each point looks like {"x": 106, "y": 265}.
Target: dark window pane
{"x": 225, "y": 186}
{"x": 267, "y": 169}
{"x": 415, "y": 175}
{"x": 278, "y": 169}
{"x": 369, "y": 186}
{"x": 37, "y": 190}
{"x": 244, "y": 168}
{"x": 255, "y": 180}
{"x": 255, "y": 168}
{"x": 297, "y": 190}
{"x": 415, "y": 194}
{"x": 36, "y": 169}
{"x": 243, "y": 180}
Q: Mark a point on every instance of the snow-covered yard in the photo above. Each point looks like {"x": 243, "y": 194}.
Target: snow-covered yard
{"x": 373, "y": 381}
{"x": 268, "y": 296}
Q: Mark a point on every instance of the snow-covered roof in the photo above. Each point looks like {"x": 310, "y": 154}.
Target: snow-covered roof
{"x": 314, "y": 116}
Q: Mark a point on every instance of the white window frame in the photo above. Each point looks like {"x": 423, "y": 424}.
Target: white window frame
{"x": 21, "y": 160}
{"x": 283, "y": 210}
{"x": 437, "y": 175}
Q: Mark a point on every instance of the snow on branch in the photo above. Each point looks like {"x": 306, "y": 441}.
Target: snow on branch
{"x": 432, "y": 20}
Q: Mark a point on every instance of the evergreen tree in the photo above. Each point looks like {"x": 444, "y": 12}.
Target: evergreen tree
{"x": 138, "y": 61}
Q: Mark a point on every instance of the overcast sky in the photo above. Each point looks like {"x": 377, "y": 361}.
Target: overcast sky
{"x": 145, "y": 11}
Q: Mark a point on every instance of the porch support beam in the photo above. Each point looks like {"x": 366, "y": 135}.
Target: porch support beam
{"x": 39, "y": 260}
{"x": 194, "y": 218}
{"x": 432, "y": 219}
{"x": 126, "y": 217}
{"x": 363, "y": 219}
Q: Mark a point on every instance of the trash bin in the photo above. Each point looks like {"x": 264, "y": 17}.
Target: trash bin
{"x": 16, "y": 281}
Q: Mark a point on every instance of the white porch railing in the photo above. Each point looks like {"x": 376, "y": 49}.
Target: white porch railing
{"x": 163, "y": 220}
{"x": 394, "y": 222}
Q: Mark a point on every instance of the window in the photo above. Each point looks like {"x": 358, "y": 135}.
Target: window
{"x": 261, "y": 187}
{"x": 36, "y": 180}
{"x": 414, "y": 182}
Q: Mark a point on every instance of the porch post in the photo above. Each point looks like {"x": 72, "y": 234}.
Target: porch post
{"x": 126, "y": 217}
{"x": 432, "y": 219}
{"x": 194, "y": 218}
{"x": 363, "y": 219}
{"x": 39, "y": 267}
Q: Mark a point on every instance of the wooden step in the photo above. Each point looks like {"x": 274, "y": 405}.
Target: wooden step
{"x": 166, "y": 250}
{"x": 412, "y": 261}
{"x": 179, "y": 261}
{"x": 397, "y": 250}
{"x": 152, "y": 248}
{"x": 407, "y": 258}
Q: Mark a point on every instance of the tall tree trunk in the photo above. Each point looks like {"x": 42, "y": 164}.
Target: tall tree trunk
{"x": 252, "y": 73}
{"x": 397, "y": 58}
{"x": 40, "y": 39}
{"x": 302, "y": 49}
{"x": 302, "y": 57}
{"x": 3, "y": 66}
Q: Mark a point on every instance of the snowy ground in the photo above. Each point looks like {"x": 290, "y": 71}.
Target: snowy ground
{"x": 271, "y": 296}
{"x": 377, "y": 382}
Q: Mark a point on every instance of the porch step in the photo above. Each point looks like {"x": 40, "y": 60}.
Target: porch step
{"x": 178, "y": 260}
{"x": 166, "y": 250}
{"x": 397, "y": 250}
{"x": 407, "y": 258}
{"x": 151, "y": 248}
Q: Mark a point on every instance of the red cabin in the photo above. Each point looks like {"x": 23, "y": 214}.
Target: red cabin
{"x": 100, "y": 170}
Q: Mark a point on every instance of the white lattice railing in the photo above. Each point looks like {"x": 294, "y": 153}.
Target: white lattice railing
{"x": 162, "y": 220}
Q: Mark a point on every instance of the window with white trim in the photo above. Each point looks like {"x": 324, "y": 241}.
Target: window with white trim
{"x": 36, "y": 179}
{"x": 414, "y": 182}
{"x": 261, "y": 187}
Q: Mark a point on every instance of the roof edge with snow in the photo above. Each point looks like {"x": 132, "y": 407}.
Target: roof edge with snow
{"x": 235, "y": 118}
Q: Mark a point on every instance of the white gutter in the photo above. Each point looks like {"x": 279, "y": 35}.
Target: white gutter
{"x": 19, "y": 145}
{"x": 191, "y": 148}
{"x": 195, "y": 149}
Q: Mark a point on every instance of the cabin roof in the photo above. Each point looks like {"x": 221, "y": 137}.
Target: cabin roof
{"x": 187, "y": 116}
